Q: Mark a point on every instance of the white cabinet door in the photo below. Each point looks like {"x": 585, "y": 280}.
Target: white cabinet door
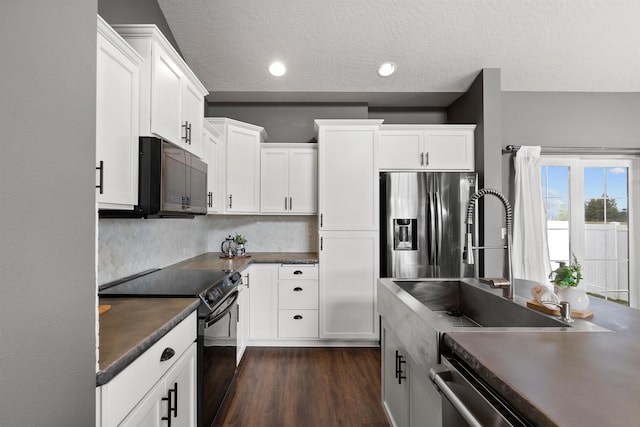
{"x": 151, "y": 410}
{"x": 212, "y": 143}
{"x": 289, "y": 179}
{"x": 243, "y": 170}
{"x": 181, "y": 390}
{"x": 192, "y": 117}
{"x": 174, "y": 397}
{"x": 427, "y": 147}
{"x": 274, "y": 180}
{"x": 263, "y": 301}
{"x": 117, "y": 106}
{"x": 401, "y": 149}
{"x": 166, "y": 96}
{"x": 303, "y": 180}
{"x": 449, "y": 149}
{"x": 395, "y": 381}
{"x": 347, "y": 177}
{"x": 348, "y": 272}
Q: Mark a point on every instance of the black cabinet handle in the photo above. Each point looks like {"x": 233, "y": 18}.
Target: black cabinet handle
{"x": 210, "y": 197}
{"x": 101, "y": 169}
{"x": 297, "y": 272}
{"x": 175, "y": 399}
{"x": 169, "y": 409}
{"x": 297, "y": 289}
{"x": 230, "y": 200}
{"x": 167, "y": 354}
{"x": 297, "y": 317}
{"x": 399, "y": 369}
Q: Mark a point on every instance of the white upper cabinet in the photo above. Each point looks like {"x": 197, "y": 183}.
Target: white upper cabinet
{"x": 241, "y": 145}
{"x": 171, "y": 96}
{"x": 427, "y": 147}
{"x": 347, "y": 174}
{"x": 288, "y": 183}
{"x": 117, "y": 105}
{"x": 212, "y": 141}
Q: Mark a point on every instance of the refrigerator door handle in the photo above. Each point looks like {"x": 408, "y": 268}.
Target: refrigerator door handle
{"x": 431, "y": 238}
{"x": 438, "y": 227}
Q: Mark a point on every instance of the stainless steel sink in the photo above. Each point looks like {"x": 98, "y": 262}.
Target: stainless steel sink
{"x": 460, "y": 304}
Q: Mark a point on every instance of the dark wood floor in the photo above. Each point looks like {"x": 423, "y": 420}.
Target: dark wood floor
{"x": 308, "y": 387}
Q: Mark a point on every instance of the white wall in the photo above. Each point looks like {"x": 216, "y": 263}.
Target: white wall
{"x": 47, "y": 213}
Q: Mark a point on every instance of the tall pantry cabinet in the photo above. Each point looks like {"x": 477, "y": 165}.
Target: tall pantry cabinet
{"x": 348, "y": 227}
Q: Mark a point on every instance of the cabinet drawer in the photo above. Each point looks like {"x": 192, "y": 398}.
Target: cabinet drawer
{"x": 298, "y": 323}
{"x": 124, "y": 391}
{"x": 298, "y": 272}
{"x": 298, "y": 294}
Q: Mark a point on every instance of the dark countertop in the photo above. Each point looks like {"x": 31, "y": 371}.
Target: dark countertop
{"x": 133, "y": 325}
{"x": 212, "y": 260}
{"x": 559, "y": 378}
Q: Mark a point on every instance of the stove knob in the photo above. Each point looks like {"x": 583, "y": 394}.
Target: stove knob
{"x": 211, "y": 297}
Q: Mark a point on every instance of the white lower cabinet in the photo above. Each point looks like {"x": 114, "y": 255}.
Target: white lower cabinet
{"x": 348, "y": 274}
{"x": 263, "y": 302}
{"x": 172, "y": 397}
{"x": 283, "y": 302}
{"x": 408, "y": 398}
{"x": 159, "y": 385}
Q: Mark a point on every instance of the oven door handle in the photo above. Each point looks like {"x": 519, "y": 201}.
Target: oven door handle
{"x": 447, "y": 392}
{"x": 210, "y": 321}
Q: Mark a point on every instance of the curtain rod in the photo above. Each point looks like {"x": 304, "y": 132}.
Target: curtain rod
{"x": 578, "y": 150}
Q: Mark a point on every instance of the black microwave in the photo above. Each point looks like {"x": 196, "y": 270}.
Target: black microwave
{"x": 172, "y": 183}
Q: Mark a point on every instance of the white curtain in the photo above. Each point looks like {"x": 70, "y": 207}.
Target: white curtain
{"x": 530, "y": 251}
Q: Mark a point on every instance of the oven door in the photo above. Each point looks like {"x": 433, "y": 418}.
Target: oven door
{"x": 218, "y": 344}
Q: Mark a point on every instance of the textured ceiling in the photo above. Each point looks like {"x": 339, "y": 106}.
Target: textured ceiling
{"x": 332, "y": 48}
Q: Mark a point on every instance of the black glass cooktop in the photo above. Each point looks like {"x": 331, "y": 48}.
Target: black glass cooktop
{"x": 167, "y": 283}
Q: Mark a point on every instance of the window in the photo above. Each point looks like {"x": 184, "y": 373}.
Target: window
{"x": 590, "y": 213}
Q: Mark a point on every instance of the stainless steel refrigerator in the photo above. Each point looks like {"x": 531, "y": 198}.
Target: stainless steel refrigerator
{"x": 422, "y": 224}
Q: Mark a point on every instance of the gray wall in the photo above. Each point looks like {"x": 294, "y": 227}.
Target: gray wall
{"x": 481, "y": 105}
{"x": 418, "y": 116}
{"x": 136, "y": 12}
{"x": 568, "y": 119}
{"x": 47, "y": 213}
{"x": 290, "y": 122}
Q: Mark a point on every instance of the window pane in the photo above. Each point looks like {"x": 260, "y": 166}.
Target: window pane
{"x": 593, "y": 182}
{"x": 555, "y": 181}
{"x": 594, "y": 210}
{"x": 616, "y": 182}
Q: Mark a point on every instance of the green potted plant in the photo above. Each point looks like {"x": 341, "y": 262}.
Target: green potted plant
{"x": 567, "y": 275}
{"x": 565, "y": 279}
{"x": 240, "y": 242}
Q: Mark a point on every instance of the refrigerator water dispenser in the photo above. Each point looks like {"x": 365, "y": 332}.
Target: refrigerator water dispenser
{"x": 405, "y": 233}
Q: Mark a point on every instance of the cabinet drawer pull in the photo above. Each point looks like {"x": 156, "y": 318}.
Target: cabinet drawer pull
{"x": 297, "y": 317}
{"x": 297, "y": 289}
{"x": 297, "y": 272}
{"x": 167, "y": 354}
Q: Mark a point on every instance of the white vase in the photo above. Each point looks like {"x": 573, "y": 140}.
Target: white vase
{"x": 577, "y": 298}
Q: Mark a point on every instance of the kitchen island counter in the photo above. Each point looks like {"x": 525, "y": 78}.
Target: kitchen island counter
{"x": 559, "y": 378}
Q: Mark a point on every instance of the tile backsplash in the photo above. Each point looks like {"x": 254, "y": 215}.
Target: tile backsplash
{"x": 129, "y": 246}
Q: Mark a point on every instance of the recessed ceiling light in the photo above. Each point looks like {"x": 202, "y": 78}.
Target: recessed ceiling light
{"x": 277, "y": 68}
{"x": 386, "y": 69}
